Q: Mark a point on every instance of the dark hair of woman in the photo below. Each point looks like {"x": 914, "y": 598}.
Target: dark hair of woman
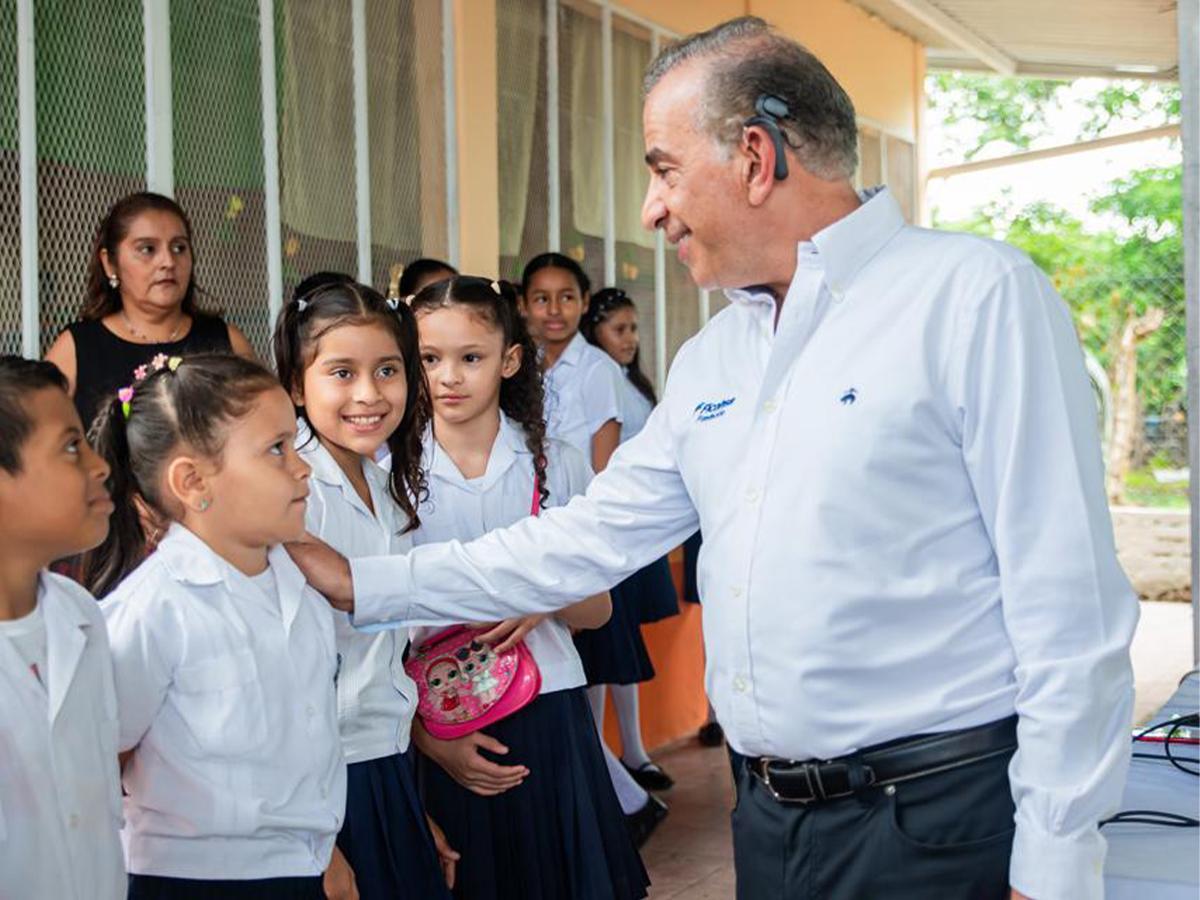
{"x": 329, "y": 300}
{"x": 522, "y": 397}
{"x": 417, "y": 272}
{"x": 102, "y": 298}
{"x": 191, "y": 404}
{"x": 555, "y": 261}
{"x": 604, "y": 303}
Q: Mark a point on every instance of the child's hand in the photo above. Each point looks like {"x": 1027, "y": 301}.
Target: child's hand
{"x": 339, "y": 878}
{"x": 507, "y": 634}
{"x": 461, "y": 760}
{"x": 447, "y": 855}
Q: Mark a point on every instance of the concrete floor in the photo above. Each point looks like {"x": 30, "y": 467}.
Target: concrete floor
{"x": 690, "y": 857}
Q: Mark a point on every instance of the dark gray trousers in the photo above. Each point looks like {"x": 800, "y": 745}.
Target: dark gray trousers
{"x": 942, "y": 837}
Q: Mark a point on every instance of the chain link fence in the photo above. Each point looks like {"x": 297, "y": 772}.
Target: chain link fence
{"x": 90, "y": 96}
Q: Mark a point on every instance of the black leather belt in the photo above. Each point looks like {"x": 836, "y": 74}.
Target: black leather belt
{"x": 815, "y": 781}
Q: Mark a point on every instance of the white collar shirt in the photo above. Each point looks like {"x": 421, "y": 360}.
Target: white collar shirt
{"x": 635, "y": 410}
{"x": 583, "y": 391}
{"x": 905, "y": 526}
{"x": 226, "y": 697}
{"x": 60, "y": 795}
{"x": 376, "y": 698}
{"x": 463, "y": 509}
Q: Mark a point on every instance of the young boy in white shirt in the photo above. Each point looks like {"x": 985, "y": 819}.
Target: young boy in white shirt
{"x": 60, "y": 799}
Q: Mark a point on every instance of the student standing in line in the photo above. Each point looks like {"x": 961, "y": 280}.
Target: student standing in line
{"x": 60, "y": 797}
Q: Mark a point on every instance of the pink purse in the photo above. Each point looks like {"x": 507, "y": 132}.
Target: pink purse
{"x": 463, "y": 685}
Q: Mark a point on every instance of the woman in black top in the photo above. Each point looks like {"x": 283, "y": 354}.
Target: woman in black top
{"x": 141, "y": 301}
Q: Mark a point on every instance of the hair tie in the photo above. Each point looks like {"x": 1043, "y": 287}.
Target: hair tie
{"x": 125, "y": 395}
{"x": 496, "y": 288}
{"x": 301, "y": 304}
{"x": 408, "y": 301}
{"x": 393, "y": 303}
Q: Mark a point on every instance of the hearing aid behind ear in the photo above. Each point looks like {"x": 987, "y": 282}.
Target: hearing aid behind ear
{"x": 768, "y": 111}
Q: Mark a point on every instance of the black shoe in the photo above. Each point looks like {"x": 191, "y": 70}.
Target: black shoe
{"x": 711, "y": 734}
{"x": 643, "y": 822}
{"x": 650, "y": 777}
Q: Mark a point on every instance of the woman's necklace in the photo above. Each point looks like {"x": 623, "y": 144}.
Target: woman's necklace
{"x": 145, "y": 338}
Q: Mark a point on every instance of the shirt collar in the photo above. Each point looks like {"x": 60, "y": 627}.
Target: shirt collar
{"x": 189, "y": 560}
{"x": 574, "y": 352}
{"x": 508, "y": 448}
{"x": 843, "y": 247}
{"x": 326, "y": 469}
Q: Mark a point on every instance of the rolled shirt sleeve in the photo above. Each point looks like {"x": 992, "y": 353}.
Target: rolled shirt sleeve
{"x": 1032, "y": 454}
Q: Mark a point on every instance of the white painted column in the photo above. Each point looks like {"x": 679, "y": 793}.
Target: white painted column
{"x": 362, "y": 146}
{"x": 27, "y": 164}
{"x": 270, "y": 132}
{"x": 450, "y": 116}
{"x": 553, "y": 181}
{"x": 160, "y": 138}
{"x": 660, "y": 279}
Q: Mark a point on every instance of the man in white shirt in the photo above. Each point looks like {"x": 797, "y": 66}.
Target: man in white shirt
{"x": 916, "y": 627}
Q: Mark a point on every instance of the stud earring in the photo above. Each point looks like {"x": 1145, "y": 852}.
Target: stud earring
{"x": 205, "y": 504}
{"x": 114, "y": 282}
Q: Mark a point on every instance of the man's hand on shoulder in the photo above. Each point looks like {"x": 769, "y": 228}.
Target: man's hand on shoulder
{"x": 325, "y": 569}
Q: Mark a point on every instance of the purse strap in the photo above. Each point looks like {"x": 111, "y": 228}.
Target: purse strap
{"x": 535, "y": 506}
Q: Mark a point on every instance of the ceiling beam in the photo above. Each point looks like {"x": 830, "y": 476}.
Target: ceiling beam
{"x": 955, "y": 32}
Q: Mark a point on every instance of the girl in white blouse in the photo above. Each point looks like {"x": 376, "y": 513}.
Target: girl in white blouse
{"x": 350, "y": 360}
{"x": 224, "y": 659}
{"x": 528, "y": 803}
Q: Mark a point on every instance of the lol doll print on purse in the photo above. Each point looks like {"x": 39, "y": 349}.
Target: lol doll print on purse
{"x": 463, "y": 684}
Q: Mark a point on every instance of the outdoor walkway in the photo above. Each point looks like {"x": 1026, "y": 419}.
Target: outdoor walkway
{"x": 690, "y": 857}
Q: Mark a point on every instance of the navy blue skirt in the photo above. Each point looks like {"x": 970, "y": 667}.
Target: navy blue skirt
{"x": 616, "y": 653}
{"x": 558, "y": 835}
{"x": 654, "y": 589}
{"x": 385, "y": 837}
{"x": 691, "y": 555}
{"x": 158, "y": 887}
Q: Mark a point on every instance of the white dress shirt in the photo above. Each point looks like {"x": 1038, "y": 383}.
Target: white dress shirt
{"x": 583, "y": 391}
{"x": 905, "y": 526}
{"x": 60, "y": 795}
{"x": 376, "y": 698}
{"x": 227, "y": 694}
{"x": 463, "y": 509}
{"x": 635, "y": 409}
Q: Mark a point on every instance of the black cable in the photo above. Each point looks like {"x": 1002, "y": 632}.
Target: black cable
{"x": 1151, "y": 817}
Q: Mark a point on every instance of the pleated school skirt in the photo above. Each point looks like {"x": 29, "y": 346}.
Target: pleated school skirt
{"x": 691, "y": 556}
{"x": 385, "y": 837}
{"x": 616, "y": 653}
{"x": 159, "y": 887}
{"x": 654, "y": 589}
{"x": 561, "y": 833}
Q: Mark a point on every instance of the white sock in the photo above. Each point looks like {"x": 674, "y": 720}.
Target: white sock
{"x": 625, "y": 702}
{"x": 595, "y": 695}
{"x": 631, "y": 795}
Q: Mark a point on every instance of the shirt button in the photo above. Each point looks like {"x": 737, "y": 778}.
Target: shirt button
{"x": 737, "y": 592}
{"x": 73, "y": 820}
{"x": 770, "y": 406}
{"x": 310, "y": 710}
{"x": 752, "y": 495}
{"x": 739, "y": 684}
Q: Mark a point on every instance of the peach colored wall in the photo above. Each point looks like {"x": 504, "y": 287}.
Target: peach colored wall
{"x": 478, "y": 164}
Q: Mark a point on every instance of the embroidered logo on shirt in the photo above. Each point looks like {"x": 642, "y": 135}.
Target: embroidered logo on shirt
{"x": 712, "y": 410}
{"x": 848, "y": 397}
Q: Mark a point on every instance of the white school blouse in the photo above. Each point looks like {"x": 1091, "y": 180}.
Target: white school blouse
{"x": 583, "y": 391}
{"x": 635, "y": 409}
{"x": 228, "y": 697}
{"x": 376, "y": 698}
{"x": 60, "y": 795}
{"x": 905, "y": 527}
{"x": 467, "y": 508}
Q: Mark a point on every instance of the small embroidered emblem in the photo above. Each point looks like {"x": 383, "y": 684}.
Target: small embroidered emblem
{"x": 848, "y": 397}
